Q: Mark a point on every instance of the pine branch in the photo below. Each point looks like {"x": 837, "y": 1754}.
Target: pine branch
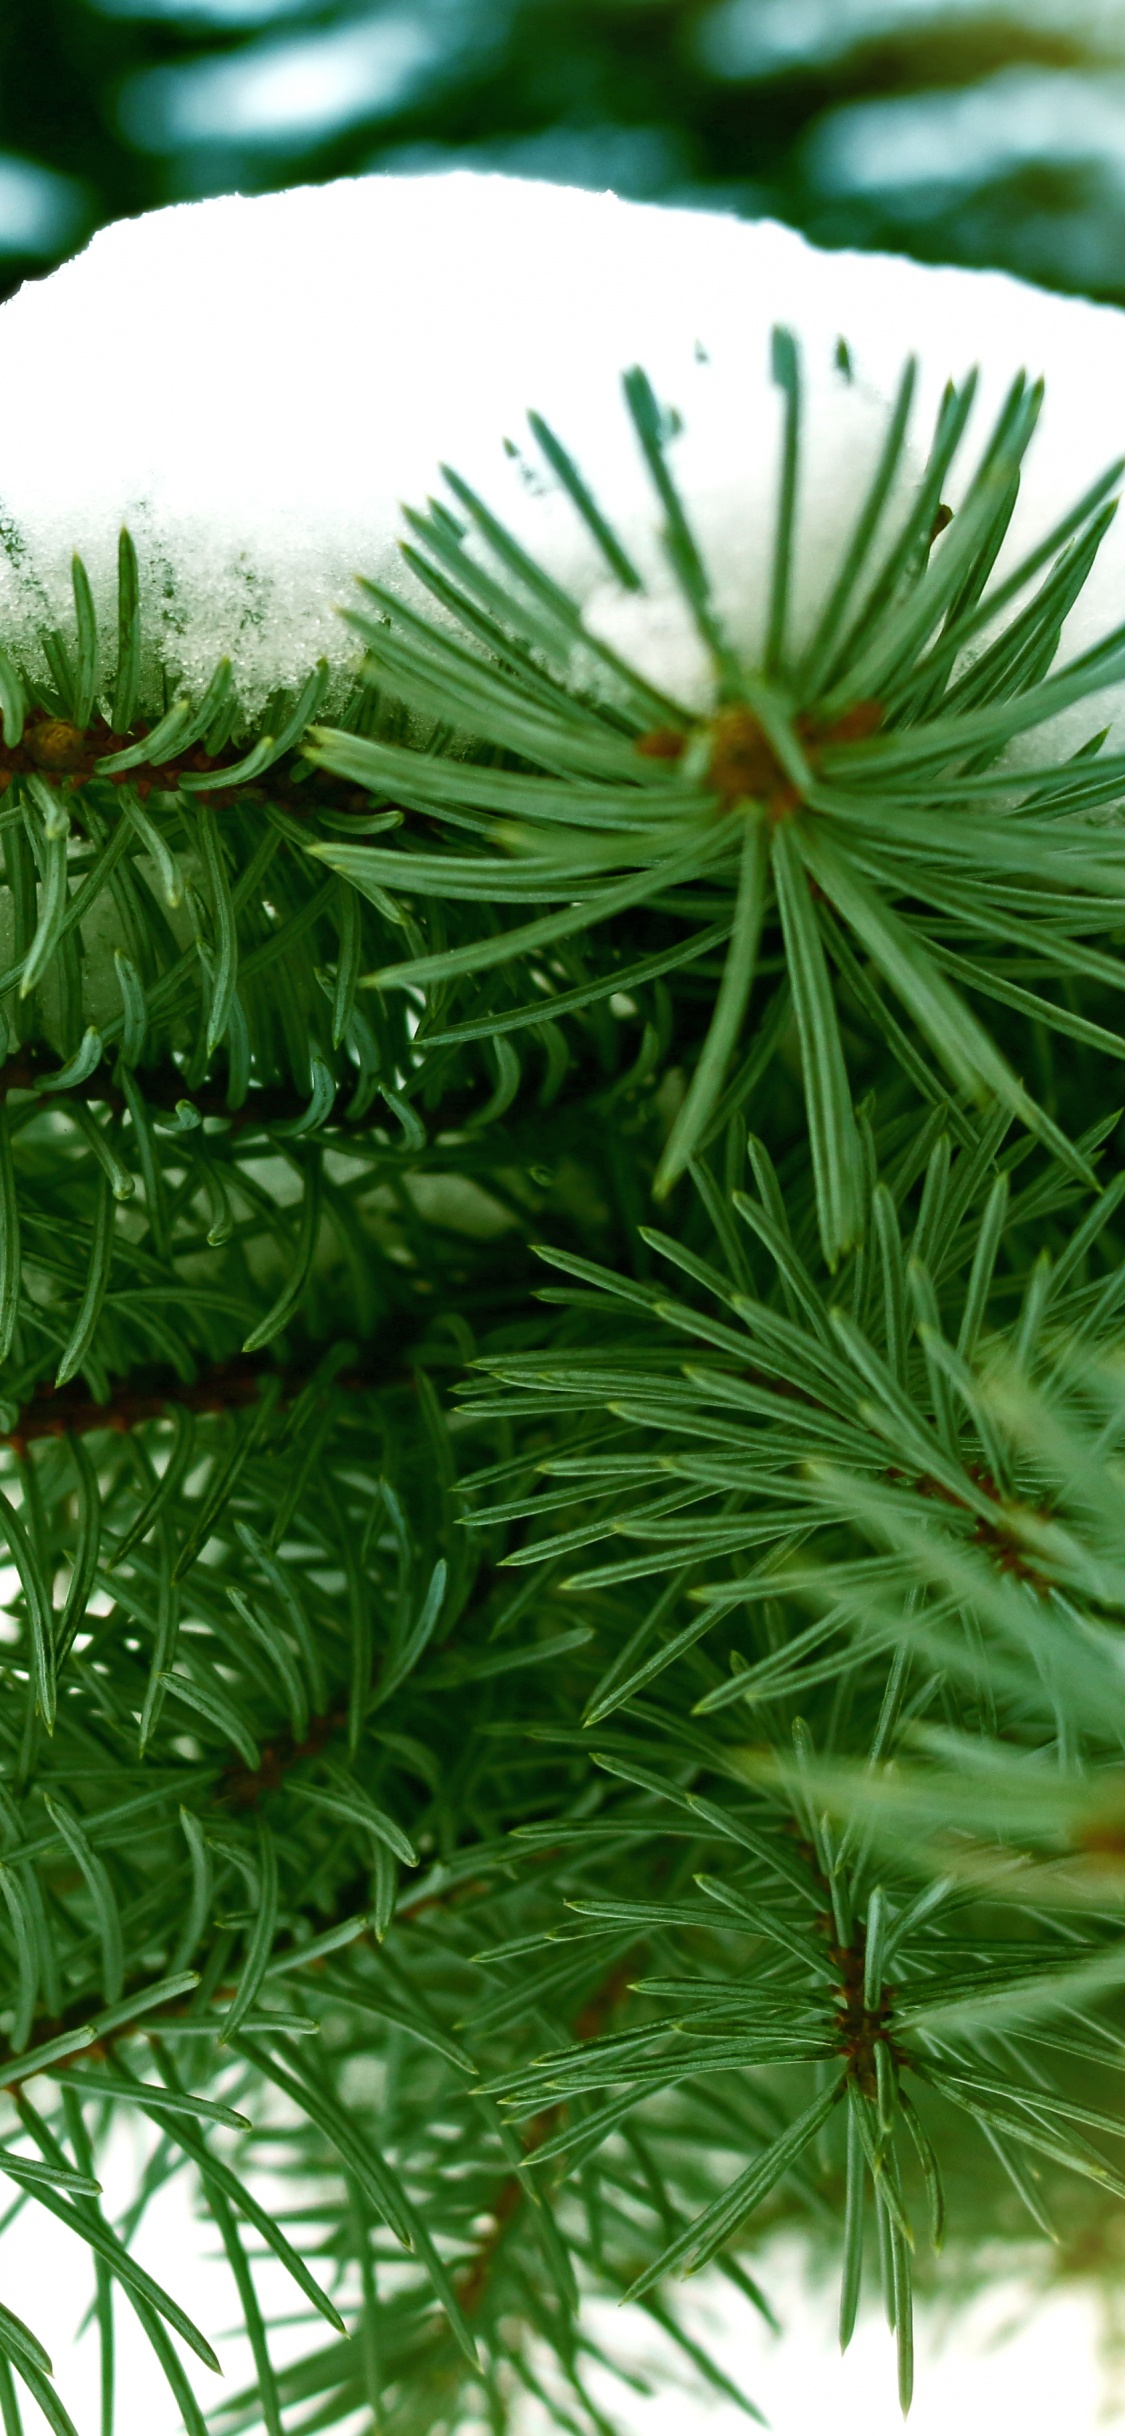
{"x": 589, "y": 2023}
{"x": 54, "y": 1412}
{"x": 69, "y": 757}
{"x": 743, "y": 1632}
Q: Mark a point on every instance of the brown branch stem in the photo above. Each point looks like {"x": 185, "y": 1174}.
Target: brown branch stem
{"x": 30, "y": 1068}
{"x": 474, "y": 2278}
{"x": 60, "y": 1412}
{"x": 57, "y": 750}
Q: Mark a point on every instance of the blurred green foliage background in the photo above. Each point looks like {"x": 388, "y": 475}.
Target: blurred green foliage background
{"x": 978, "y": 131}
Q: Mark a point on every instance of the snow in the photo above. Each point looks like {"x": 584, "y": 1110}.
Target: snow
{"x": 256, "y": 384}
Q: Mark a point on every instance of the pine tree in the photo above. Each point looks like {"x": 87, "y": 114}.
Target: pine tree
{"x": 562, "y": 1391}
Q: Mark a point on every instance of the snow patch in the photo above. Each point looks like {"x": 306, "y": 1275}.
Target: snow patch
{"x": 256, "y": 385}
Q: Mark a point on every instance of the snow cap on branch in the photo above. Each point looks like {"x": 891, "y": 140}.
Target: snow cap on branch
{"x": 256, "y": 385}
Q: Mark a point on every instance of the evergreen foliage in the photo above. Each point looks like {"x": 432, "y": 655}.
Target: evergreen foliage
{"x": 531, "y": 1733}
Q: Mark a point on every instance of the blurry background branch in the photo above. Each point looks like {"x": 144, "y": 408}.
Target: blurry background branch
{"x": 973, "y": 131}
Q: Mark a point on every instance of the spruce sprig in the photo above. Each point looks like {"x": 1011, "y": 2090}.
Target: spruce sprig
{"x": 561, "y": 1415}
{"x": 857, "y": 794}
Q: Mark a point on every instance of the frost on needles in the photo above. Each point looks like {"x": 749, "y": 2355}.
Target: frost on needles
{"x": 560, "y": 1277}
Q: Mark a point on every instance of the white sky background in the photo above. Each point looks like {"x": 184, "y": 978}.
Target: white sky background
{"x": 1012, "y": 2361}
